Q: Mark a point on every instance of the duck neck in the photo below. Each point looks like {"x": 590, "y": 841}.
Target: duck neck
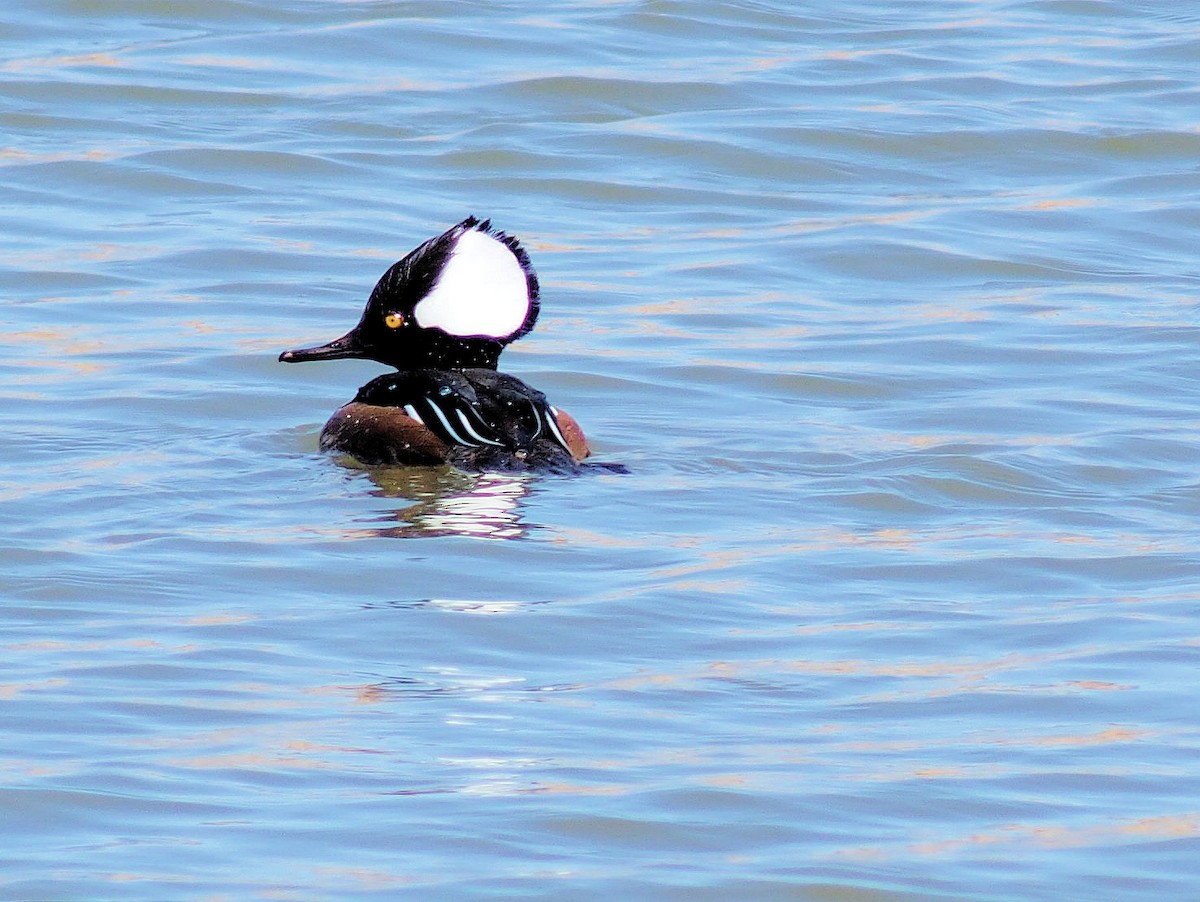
{"x": 447, "y": 352}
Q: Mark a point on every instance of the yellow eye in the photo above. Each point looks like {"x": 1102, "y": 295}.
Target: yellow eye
{"x": 393, "y": 320}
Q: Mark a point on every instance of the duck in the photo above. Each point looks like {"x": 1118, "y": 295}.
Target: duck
{"x": 440, "y": 317}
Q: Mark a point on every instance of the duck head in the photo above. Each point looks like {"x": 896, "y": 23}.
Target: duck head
{"x": 454, "y": 302}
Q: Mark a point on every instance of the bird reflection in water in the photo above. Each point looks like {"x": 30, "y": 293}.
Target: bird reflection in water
{"x": 450, "y": 502}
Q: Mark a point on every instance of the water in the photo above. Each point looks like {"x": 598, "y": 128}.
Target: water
{"x": 889, "y": 309}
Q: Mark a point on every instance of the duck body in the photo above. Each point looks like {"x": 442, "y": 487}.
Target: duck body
{"x": 441, "y": 316}
{"x": 473, "y": 418}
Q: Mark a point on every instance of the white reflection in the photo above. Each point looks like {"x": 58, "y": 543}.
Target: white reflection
{"x": 490, "y": 509}
{"x": 450, "y": 502}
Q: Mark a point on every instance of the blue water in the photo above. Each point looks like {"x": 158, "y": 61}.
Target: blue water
{"x": 891, "y": 311}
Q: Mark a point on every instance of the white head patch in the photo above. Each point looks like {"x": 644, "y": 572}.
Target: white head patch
{"x": 481, "y": 292}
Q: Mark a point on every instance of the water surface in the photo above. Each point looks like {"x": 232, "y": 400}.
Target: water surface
{"x": 890, "y": 311}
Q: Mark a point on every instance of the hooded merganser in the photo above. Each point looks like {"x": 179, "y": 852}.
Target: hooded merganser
{"x": 441, "y": 317}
